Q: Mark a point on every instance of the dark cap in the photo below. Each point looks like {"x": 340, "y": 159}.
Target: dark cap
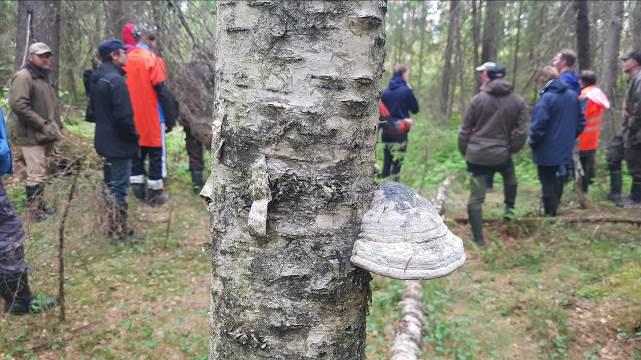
{"x": 496, "y": 72}
{"x": 636, "y": 55}
{"x": 108, "y": 46}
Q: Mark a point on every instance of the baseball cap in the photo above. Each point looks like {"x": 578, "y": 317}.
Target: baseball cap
{"x": 485, "y": 66}
{"x": 108, "y": 46}
{"x": 39, "y": 48}
{"x": 636, "y": 55}
{"x": 496, "y": 72}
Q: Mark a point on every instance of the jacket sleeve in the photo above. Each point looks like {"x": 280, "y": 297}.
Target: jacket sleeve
{"x": 634, "y": 118}
{"x": 412, "y": 103}
{"x": 519, "y": 133}
{"x": 581, "y": 121}
{"x": 20, "y": 101}
{"x": 168, "y": 103}
{"x": 540, "y": 118}
{"x": 123, "y": 114}
{"x": 465, "y": 132}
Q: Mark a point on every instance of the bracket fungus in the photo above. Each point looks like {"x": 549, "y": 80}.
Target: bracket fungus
{"x": 403, "y": 237}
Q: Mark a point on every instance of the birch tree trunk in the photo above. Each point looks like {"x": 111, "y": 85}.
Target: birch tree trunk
{"x": 611, "y": 67}
{"x": 293, "y": 151}
{"x": 515, "y": 63}
{"x": 584, "y": 55}
{"x": 476, "y": 29}
{"x": 38, "y": 21}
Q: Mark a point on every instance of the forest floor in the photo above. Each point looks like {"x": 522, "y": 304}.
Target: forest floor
{"x": 543, "y": 290}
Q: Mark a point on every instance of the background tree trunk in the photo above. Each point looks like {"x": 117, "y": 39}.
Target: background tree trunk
{"x": 295, "y": 122}
{"x": 39, "y": 21}
{"x": 491, "y": 30}
{"x": 583, "y": 34}
{"x": 476, "y": 30}
{"x": 611, "y": 67}
{"x": 421, "y": 51}
{"x": 636, "y": 26}
{"x": 116, "y": 17}
{"x": 515, "y": 63}
{"x": 447, "y": 57}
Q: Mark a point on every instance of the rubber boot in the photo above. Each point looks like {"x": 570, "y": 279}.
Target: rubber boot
{"x": 18, "y": 299}
{"x": 616, "y": 187}
{"x": 475, "y": 218}
{"x": 550, "y": 205}
{"x": 196, "y": 182}
{"x": 139, "y": 191}
{"x": 634, "y": 200}
{"x": 509, "y": 192}
{"x": 157, "y": 198}
{"x": 124, "y": 234}
{"x": 36, "y": 204}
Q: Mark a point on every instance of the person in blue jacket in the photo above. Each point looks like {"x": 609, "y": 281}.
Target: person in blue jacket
{"x": 14, "y": 279}
{"x": 564, "y": 63}
{"x": 557, "y": 121}
{"x": 400, "y": 101}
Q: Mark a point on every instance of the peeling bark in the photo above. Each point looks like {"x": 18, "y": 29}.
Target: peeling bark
{"x": 409, "y": 332}
{"x": 296, "y": 98}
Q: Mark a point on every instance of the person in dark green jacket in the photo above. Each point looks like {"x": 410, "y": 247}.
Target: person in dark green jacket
{"x": 35, "y": 124}
{"x": 494, "y": 127}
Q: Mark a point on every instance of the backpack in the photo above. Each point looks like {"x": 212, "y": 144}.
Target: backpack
{"x": 86, "y": 79}
{"x": 390, "y": 125}
{"x": 6, "y": 159}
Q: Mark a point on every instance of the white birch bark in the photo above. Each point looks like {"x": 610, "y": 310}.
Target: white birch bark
{"x": 294, "y": 132}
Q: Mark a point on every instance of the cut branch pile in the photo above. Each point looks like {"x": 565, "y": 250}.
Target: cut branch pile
{"x": 408, "y": 339}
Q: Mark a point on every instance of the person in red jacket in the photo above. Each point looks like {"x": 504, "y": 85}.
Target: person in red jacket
{"x": 594, "y": 103}
{"x": 154, "y": 114}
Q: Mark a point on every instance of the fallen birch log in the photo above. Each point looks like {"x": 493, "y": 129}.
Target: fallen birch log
{"x": 409, "y": 332}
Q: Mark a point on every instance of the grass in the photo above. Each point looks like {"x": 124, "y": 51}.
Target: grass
{"x": 535, "y": 292}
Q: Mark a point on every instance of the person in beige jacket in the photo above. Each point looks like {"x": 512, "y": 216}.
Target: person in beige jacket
{"x": 35, "y": 124}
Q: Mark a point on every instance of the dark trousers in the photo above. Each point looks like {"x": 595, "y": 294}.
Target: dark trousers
{"x": 552, "y": 183}
{"x": 393, "y": 155}
{"x": 588, "y": 159}
{"x": 632, "y": 155}
{"x": 155, "y": 155}
{"x": 116, "y": 172}
{"x": 194, "y": 151}
{"x": 481, "y": 174}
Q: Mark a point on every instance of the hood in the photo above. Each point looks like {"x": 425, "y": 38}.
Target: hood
{"x": 396, "y": 81}
{"x": 595, "y": 94}
{"x": 128, "y": 36}
{"x": 555, "y": 86}
{"x": 498, "y": 87}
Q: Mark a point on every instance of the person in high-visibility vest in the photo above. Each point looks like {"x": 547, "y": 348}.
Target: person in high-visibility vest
{"x": 594, "y": 103}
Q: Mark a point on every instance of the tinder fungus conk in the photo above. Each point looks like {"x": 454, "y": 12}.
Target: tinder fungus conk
{"x": 403, "y": 237}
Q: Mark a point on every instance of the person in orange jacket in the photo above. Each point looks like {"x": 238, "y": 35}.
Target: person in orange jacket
{"x": 155, "y": 113}
{"x": 594, "y": 103}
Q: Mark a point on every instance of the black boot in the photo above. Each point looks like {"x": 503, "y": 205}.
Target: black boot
{"x": 475, "y": 218}
{"x": 18, "y": 299}
{"x": 123, "y": 233}
{"x": 634, "y": 200}
{"x": 509, "y": 193}
{"x": 139, "y": 191}
{"x": 616, "y": 187}
{"x": 196, "y": 182}
{"x": 550, "y": 205}
{"x": 37, "y": 205}
{"x": 157, "y": 198}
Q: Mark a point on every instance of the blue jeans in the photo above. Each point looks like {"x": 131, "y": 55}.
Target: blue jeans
{"x": 116, "y": 172}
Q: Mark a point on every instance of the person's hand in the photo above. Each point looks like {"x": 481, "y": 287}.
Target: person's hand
{"x": 410, "y": 121}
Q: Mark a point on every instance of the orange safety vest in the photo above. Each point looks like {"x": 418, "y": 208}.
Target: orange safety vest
{"x": 145, "y": 70}
{"x": 597, "y": 102}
